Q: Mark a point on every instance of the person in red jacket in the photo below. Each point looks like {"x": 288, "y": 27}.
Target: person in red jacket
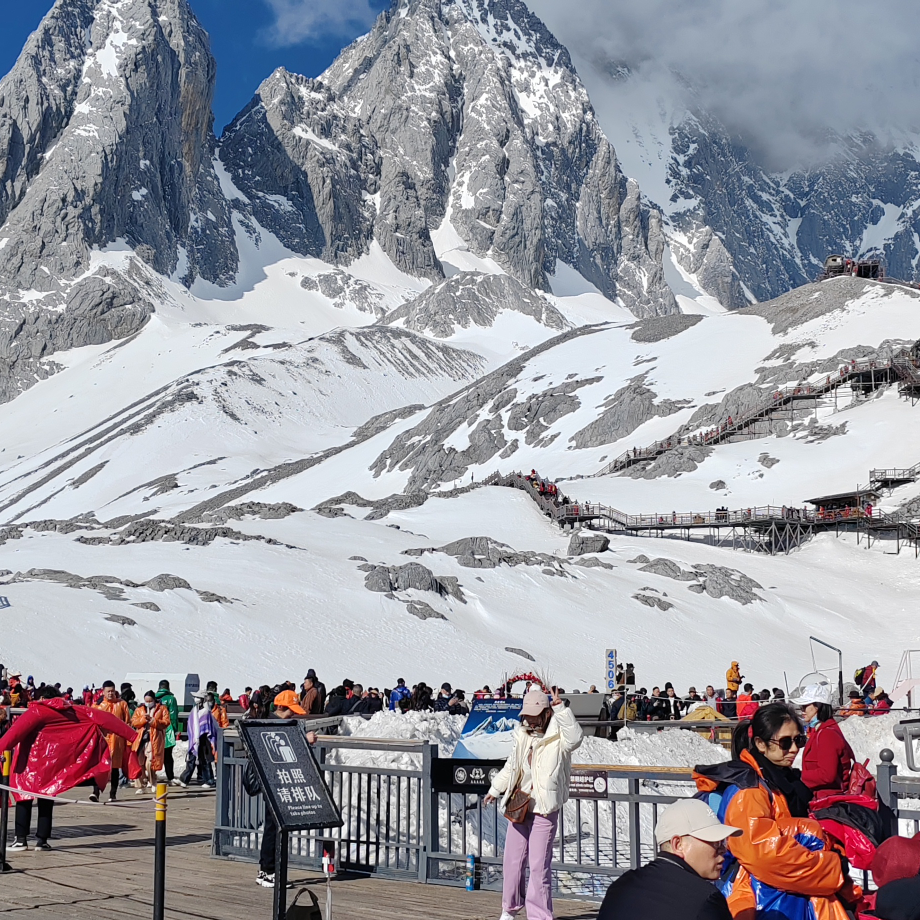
{"x": 827, "y": 760}
{"x": 747, "y": 705}
{"x": 881, "y": 703}
{"x": 57, "y": 746}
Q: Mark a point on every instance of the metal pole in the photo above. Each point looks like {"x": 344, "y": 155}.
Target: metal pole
{"x": 5, "y": 810}
{"x": 159, "y": 854}
{"x": 281, "y": 867}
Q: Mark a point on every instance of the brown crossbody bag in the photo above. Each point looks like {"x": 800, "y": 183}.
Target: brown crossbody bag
{"x": 519, "y": 803}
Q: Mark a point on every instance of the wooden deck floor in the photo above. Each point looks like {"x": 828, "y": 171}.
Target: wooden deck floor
{"x": 101, "y": 868}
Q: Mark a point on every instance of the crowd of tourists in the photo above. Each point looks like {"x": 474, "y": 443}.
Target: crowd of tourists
{"x": 736, "y": 701}
{"x": 760, "y": 840}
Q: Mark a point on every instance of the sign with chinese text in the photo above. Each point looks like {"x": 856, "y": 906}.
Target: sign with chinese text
{"x": 288, "y": 774}
{"x": 588, "y": 784}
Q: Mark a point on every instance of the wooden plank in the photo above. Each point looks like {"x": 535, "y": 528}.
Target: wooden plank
{"x": 101, "y": 868}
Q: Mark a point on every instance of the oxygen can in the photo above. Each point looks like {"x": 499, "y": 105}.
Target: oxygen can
{"x": 470, "y": 872}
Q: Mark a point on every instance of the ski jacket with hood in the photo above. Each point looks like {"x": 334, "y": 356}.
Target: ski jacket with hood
{"x": 733, "y": 677}
{"x": 780, "y": 867}
{"x": 550, "y": 766}
{"x": 59, "y": 746}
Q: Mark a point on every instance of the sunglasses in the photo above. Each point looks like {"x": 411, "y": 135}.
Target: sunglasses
{"x": 785, "y": 744}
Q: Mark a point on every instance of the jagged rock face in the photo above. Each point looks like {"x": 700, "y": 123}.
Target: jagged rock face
{"x": 511, "y": 151}
{"x": 487, "y": 411}
{"x": 473, "y": 299}
{"x": 105, "y": 137}
{"x": 305, "y": 167}
{"x": 777, "y": 230}
{"x": 628, "y": 408}
{"x": 105, "y": 134}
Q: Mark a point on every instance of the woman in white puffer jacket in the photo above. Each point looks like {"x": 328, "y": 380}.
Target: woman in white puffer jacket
{"x": 539, "y": 766}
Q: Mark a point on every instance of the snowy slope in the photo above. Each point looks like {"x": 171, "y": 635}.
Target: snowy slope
{"x": 277, "y": 464}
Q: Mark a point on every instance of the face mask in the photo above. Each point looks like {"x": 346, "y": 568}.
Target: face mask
{"x": 814, "y": 723}
{"x": 209, "y": 705}
{"x": 149, "y": 704}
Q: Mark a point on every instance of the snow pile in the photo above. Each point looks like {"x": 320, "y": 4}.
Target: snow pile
{"x": 673, "y": 748}
{"x": 670, "y": 748}
{"x": 870, "y": 736}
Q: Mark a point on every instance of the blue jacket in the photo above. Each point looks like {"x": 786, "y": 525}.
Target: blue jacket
{"x": 400, "y": 693}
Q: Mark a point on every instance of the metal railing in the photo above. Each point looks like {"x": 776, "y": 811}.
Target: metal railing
{"x": 900, "y": 365}
{"x": 397, "y": 825}
{"x": 385, "y": 809}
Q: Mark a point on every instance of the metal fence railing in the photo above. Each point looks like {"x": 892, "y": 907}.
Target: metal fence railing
{"x": 397, "y": 825}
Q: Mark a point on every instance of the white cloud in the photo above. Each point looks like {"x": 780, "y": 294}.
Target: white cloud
{"x": 300, "y": 20}
{"x": 779, "y": 72}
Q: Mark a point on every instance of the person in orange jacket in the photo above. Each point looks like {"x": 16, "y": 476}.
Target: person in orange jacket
{"x": 856, "y": 707}
{"x": 114, "y": 705}
{"x": 782, "y": 865}
{"x": 151, "y": 721}
{"x": 733, "y": 677}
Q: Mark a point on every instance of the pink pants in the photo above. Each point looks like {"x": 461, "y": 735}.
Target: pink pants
{"x": 530, "y": 843}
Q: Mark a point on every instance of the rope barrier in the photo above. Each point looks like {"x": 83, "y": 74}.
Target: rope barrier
{"x": 155, "y": 801}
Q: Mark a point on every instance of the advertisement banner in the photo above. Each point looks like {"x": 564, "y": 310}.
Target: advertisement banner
{"x": 489, "y": 730}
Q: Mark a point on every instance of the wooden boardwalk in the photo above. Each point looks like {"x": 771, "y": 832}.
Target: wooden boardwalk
{"x": 101, "y": 868}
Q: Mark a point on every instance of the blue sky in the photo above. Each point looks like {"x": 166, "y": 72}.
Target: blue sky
{"x": 249, "y": 39}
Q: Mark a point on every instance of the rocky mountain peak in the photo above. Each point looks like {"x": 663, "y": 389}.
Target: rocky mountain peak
{"x": 511, "y": 157}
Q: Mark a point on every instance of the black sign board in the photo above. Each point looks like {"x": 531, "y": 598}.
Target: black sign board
{"x": 464, "y": 776}
{"x": 588, "y": 784}
{"x": 290, "y": 778}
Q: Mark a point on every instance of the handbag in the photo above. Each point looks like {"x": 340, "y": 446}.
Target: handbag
{"x": 133, "y": 766}
{"x": 304, "y": 911}
{"x": 518, "y": 807}
{"x": 862, "y": 782}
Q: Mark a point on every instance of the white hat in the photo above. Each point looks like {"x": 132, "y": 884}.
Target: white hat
{"x": 815, "y": 693}
{"x": 535, "y": 701}
{"x": 692, "y": 818}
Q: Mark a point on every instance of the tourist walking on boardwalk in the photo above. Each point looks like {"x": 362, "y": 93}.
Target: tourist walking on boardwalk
{"x": 119, "y": 708}
{"x": 56, "y": 746}
{"x": 532, "y": 788}
{"x": 166, "y": 697}
{"x": 151, "y": 721}
{"x": 202, "y": 737}
{"x": 678, "y": 884}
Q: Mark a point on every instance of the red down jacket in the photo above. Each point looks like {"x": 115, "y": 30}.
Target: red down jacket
{"x": 59, "y": 746}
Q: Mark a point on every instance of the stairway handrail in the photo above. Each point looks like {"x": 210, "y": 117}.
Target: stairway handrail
{"x": 777, "y": 398}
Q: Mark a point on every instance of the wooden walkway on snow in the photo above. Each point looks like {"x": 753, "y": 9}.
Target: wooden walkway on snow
{"x": 101, "y": 868}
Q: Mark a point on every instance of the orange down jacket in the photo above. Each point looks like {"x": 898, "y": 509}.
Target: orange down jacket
{"x": 785, "y": 867}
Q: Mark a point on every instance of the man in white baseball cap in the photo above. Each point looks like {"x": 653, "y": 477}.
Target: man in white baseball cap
{"x": 678, "y": 884}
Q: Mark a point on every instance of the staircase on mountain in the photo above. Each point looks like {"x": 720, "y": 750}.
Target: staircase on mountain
{"x": 865, "y": 376}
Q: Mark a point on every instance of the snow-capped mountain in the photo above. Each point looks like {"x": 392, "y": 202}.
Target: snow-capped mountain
{"x": 251, "y": 387}
{"x": 744, "y": 232}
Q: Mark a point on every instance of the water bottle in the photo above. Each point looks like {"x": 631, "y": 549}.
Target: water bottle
{"x": 470, "y": 872}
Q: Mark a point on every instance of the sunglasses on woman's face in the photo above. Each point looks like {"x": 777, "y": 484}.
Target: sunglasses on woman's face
{"x": 785, "y": 744}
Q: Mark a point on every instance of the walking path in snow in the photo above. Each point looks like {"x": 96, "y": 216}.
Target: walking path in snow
{"x": 101, "y": 868}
